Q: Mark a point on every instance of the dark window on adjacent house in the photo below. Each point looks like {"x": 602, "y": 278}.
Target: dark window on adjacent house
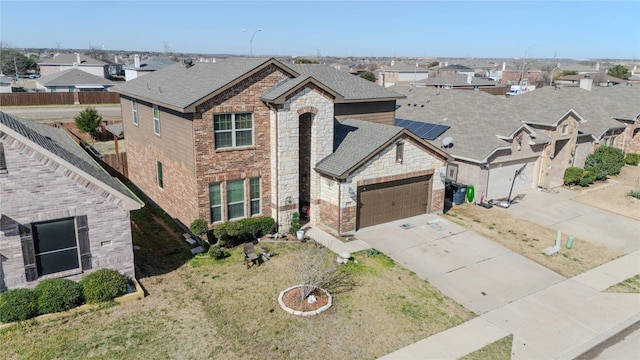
{"x": 160, "y": 180}
{"x": 215, "y": 201}
{"x": 254, "y": 192}
{"x": 233, "y": 130}
{"x": 3, "y": 159}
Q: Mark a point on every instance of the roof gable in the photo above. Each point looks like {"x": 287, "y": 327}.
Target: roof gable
{"x": 57, "y": 145}
{"x": 74, "y": 77}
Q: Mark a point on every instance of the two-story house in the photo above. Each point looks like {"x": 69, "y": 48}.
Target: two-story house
{"x": 249, "y": 137}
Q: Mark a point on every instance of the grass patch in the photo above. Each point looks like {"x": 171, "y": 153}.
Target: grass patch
{"x": 529, "y": 239}
{"x": 631, "y": 285}
{"x": 498, "y": 350}
{"x": 634, "y": 193}
{"x": 198, "y": 307}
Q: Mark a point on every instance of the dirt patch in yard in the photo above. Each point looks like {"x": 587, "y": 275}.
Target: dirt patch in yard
{"x": 612, "y": 195}
{"x": 530, "y": 239}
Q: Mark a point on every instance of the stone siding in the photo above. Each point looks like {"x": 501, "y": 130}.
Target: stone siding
{"x": 57, "y": 192}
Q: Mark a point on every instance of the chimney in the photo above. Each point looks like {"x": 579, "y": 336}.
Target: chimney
{"x": 115, "y": 59}
{"x": 136, "y": 61}
{"x": 446, "y": 63}
{"x": 633, "y": 72}
{"x": 78, "y": 58}
{"x": 586, "y": 83}
{"x": 597, "y": 66}
{"x": 504, "y": 66}
{"x": 469, "y": 79}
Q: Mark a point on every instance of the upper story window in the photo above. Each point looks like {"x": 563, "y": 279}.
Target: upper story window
{"x": 399, "y": 152}
{"x": 159, "y": 178}
{"x": 565, "y": 129}
{"x": 134, "y": 110}
{"x": 233, "y": 130}
{"x": 3, "y": 160}
{"x": 156, "y": 120}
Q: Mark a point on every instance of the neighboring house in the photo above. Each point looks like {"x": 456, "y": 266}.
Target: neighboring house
{"x": 518, "y": 77}
{"x": 400, "y": 74}
{"x": 140, "y": 68}
{"x": 448, "y": 70}
{"x": 599, "y": 79}
{"x": 545, "y": 131}
{"x": 61, "y": 215}
{"x": 457, "y": 81}
{"x": 73, "y": 80}
{"x": 5, "y": 85}
{"x": 62, "y": 62}
{"x": 250, "y": 137}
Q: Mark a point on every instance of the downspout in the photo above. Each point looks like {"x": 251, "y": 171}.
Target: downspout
{"x": 277, "y": 219}
{"x": 340, "y": 207}
{"x": 486, "y": 191}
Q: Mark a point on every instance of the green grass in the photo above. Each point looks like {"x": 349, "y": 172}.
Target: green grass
{"x": 498, "y": 350}
{"x": 634, "y": 193}
{"x": 631, "y": 285}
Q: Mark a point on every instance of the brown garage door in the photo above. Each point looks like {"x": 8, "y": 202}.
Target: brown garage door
{"x": 393, "y": 200}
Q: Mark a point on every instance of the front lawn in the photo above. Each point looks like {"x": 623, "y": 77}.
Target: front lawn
{"x": 200, "y": 308}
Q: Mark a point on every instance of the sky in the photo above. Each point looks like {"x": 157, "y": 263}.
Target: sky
{"x": 430, "y": 29}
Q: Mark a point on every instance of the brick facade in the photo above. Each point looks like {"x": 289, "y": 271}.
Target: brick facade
{"x": 56, "y": 192}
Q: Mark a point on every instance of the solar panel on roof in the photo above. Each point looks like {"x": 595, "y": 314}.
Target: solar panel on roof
{"x": 425, "y": 130}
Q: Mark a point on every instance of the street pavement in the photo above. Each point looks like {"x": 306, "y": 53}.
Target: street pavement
{"x": 61, "y": 113}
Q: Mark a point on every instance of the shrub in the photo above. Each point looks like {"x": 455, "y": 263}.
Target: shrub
{"x": 589, "y": 177}
{"x": 295, "y": 223}
{"x": 199, "y": 226}
{"x": 55, "y": 295}
{"x": 605, "y": 161}
{"x": 236, "y": 232}
{"x": 572, "y": 175}
{"x": 18, "y": 305}
{"x": 634, "y": 193}
{"x": 103, "y": 285}
{"x": 216, "y": 252}
{"x": 632, "y": 159}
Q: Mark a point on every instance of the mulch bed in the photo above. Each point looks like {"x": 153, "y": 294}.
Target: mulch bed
{"x": 294, "y": 301}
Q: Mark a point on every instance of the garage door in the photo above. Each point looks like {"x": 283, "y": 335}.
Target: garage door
{"x": 393, "y": 200}
{"x": 501, "y": 177}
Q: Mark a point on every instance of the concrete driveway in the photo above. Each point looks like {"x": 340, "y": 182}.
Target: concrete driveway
{"x": 476, "y": 272}
{"x": 556, "y": 210}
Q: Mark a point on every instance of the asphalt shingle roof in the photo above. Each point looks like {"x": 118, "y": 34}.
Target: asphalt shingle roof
{"x": 181, "y": 86}
{"x": 351, "y": 87}
{"x": 151, "y": 64}
{"x": 58, "y": 142}
{"x": 69, "y": 59}
{"x": 457, "y": 80}
{"x": 477, "y": 119}
{"x": 355, "y": 140}
{"x": 74, "y": 77}
{"x": 283, "y": 87}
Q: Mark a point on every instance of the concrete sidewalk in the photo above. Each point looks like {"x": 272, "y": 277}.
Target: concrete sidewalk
{"x": 559, "y": 322}
{"x": 333, "y": 244}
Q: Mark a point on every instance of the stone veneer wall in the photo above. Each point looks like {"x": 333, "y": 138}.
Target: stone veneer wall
{"x": 58, "y": 193}
{"x": 552, "y": 168}
{"x": 631, "y": 137}
{"x": 417, "y": 161}
{"x": 285, "y": 155}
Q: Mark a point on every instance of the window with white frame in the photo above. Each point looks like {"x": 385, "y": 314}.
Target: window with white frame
{"x": 156, "y": 120}
{"x": 565, "y": 129}
{"x": 254, "y": 194}
{"x": 215, "y": 201}
{"x": 134, "y": 110}
{"x": 233, "y": 130}
{"x": 235, "y": 199}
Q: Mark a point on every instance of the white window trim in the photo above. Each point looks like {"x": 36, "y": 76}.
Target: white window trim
{"x": 565, "y": 129}
{"x": 134, "y": 111}
{"x": 211, "y": 206}
{"x": 233, "y": 131}
{"x": 156, "y": 120}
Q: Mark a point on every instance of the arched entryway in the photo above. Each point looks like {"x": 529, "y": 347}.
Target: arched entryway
{"x": 304, "y": 163}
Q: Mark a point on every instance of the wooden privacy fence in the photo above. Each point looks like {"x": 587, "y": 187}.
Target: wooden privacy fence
{"x": 59, "y": 98}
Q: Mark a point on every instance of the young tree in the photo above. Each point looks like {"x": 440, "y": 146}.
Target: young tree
{"x": 315, "y": 268}
{"x": 368, "y": 76}
{"x": 620, "y": 72}
{"x": 305, "y": 61}
{"x": 88, "y": 120}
